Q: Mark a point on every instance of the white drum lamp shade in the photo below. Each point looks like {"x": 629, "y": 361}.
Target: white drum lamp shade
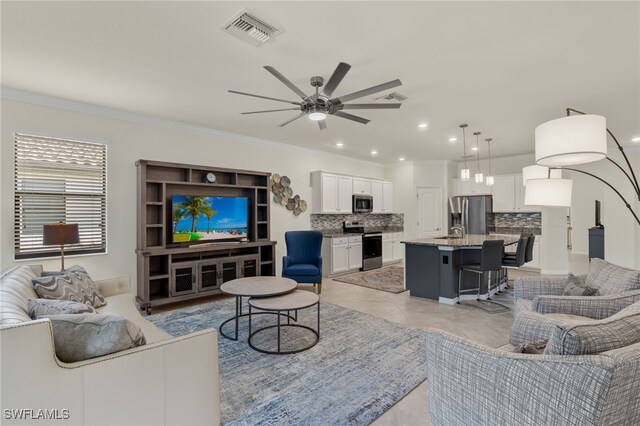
{"x": 548, "y": 192}
{"x": 576, "y": 139}
{"x": 539, "y": 172}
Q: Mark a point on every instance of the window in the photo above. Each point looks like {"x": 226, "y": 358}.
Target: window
{"x": 59, "y": 180}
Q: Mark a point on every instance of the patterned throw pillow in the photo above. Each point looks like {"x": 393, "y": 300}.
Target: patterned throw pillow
{"x": 41, "y": 307}
{"x": 610, "y": 278}
{"x": 576, "y": 288}
{"x": 83, "y": 336}
{"x": 75, "y": 285}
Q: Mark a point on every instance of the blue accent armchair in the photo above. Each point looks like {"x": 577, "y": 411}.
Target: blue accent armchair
{"x": 303, "y": 262}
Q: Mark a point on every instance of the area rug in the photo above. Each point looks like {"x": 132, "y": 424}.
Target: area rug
{"x": 360, "y": 368}
{"x": 390, "y": 278}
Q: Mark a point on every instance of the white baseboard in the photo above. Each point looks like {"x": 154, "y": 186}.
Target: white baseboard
{"x": 446, "y": 301}
{"x": 554, "y": 272}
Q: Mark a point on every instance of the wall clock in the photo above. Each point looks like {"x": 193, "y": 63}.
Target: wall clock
{"x": 210, "y": 178}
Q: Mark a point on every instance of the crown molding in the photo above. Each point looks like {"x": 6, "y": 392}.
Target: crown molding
{"x": 101, "y": 111}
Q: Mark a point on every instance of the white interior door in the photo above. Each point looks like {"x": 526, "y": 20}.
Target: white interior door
{"x": 430, "y": 212}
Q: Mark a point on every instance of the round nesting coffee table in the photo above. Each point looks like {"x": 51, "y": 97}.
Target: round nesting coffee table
{"x": 294, "y": 301}
{"x": 253, "y": 287}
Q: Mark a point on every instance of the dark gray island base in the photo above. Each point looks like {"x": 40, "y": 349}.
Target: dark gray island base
{"x": 431, "y": 267}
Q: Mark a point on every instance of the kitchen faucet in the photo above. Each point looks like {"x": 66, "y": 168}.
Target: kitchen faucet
{"x": 458, "y": 230}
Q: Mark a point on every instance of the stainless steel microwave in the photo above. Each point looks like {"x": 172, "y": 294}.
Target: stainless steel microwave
{"x": 362, "y": 203}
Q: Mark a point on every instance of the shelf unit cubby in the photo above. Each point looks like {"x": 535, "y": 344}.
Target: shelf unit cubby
{"x": 206, "y": 265}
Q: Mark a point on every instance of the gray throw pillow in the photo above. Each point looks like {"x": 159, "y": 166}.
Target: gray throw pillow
{"x": 617, "y": 331}
{"x": 576, "y": 288}
{"x": 75, "y": 285}
{"x": 83, "y": 336}
{"x": 41, "y": 307}
{"x": 534, "y": 348}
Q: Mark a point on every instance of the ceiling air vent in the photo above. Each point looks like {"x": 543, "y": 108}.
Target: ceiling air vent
{"x": 250, "y": 28}
{"x": 392, "y": 97}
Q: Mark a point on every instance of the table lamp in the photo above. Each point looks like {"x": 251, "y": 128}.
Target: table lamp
{"x": 60, "y": 234}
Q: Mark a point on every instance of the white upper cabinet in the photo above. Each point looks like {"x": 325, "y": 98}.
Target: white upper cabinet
{"x": 376, "y": 193}
{"x": 331, "y": 193}
{"x": 387, "y": 196}
{"x": 508, "y": 195}
{"x": 362, "y": 186}
{"x": 345, "y": 193}
{"x": 504, "y": 194}
{"x": 470, "y": 187}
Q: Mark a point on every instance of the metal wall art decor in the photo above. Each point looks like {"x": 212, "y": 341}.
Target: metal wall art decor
{"x": 283, "y": 194}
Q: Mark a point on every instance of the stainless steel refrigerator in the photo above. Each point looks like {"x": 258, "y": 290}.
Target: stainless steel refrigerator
{"x": 474, "y": 212}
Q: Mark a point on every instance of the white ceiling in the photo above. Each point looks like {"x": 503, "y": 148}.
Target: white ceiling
{"x": 503, "y": 68}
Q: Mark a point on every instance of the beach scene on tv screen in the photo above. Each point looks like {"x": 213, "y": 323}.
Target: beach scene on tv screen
{"x": 197, "y": 218}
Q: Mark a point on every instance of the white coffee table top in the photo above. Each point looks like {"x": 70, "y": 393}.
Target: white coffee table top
{"x": 298, "y": 299}
{"x": 259, "y": 286}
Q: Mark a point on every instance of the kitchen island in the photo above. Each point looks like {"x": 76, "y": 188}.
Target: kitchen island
{"x": 431, "y": 267}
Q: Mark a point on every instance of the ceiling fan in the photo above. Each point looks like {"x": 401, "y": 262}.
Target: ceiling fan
{"x": 318, "y": 105}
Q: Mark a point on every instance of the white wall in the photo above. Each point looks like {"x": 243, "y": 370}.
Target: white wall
{"x": 408, "y": 176}
{"x": 129, "y": 141}
{"x": 622, "y": 233}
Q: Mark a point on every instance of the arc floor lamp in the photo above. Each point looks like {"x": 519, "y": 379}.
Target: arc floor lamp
{"x": 568, "y": 141}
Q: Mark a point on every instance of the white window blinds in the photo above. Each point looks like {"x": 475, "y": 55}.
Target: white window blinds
{"x": 59, "y": 180}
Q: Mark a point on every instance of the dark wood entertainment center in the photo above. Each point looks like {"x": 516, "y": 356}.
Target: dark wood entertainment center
{"x": 169, "y": 273}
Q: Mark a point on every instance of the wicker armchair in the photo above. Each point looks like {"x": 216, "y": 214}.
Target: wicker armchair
{"x": 471, "y": 384}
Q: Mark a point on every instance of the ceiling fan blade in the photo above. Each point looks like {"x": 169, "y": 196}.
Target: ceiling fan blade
{"x": 284, "y": 79}
{"x": 293, "y": 119}
{"x": 270, "y": 110}
{"x": 322, "y": 124}
{"x": 351, "y": 117}
{"x": 264, "y": 97}
{"x": 335, "y": 79}
{"x": 369, "y": 106}
{"x": 366, "y": 92}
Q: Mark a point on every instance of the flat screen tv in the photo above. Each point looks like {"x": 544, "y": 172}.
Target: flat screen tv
{"x": 198, "y": 219}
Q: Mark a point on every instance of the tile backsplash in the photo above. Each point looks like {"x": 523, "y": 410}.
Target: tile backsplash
{"x": 518, "y": 220}
{"x": 370, "y": 220}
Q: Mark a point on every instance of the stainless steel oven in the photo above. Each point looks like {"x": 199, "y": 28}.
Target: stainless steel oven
{"x": 371, "y": 251}
{"x": 362, "y": 203}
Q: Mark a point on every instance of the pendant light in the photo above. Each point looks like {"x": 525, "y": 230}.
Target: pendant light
{"x": 464, "y": 173}
{"x": 479, "y": 176}
{"x": 489, "y": 178}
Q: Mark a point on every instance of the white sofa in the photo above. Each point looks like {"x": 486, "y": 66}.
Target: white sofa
{"x": 165, "y": 382}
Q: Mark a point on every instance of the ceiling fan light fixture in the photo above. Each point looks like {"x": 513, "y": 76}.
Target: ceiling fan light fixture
{"x": 317, "y": 116}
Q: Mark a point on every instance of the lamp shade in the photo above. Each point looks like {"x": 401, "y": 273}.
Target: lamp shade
{"x": 539, "y": 172}
{"x": 59, "y": 234}
{"x": 577, "y": 139}
{"x": 548, "y": 192}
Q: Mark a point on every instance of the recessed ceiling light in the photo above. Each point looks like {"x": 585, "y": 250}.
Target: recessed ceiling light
{"x": 475, "y": 148}
{"x": 636, "y": 139}
{"x": 452, "y": 139}
{"x": 401, "y": 159}
{"x": 423, "y": 125}
{"x": 374, "y": 152}
{"x": 339, "y": 144}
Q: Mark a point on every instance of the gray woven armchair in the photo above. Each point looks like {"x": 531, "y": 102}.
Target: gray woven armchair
{"x": 471, "y": 384}
{"x": 540, "y": 305}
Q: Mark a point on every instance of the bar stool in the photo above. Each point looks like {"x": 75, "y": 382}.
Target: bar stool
{"x": 528, "y": 257}
{"x": 517, "y": 259}
{"x": 490, "y": 261}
